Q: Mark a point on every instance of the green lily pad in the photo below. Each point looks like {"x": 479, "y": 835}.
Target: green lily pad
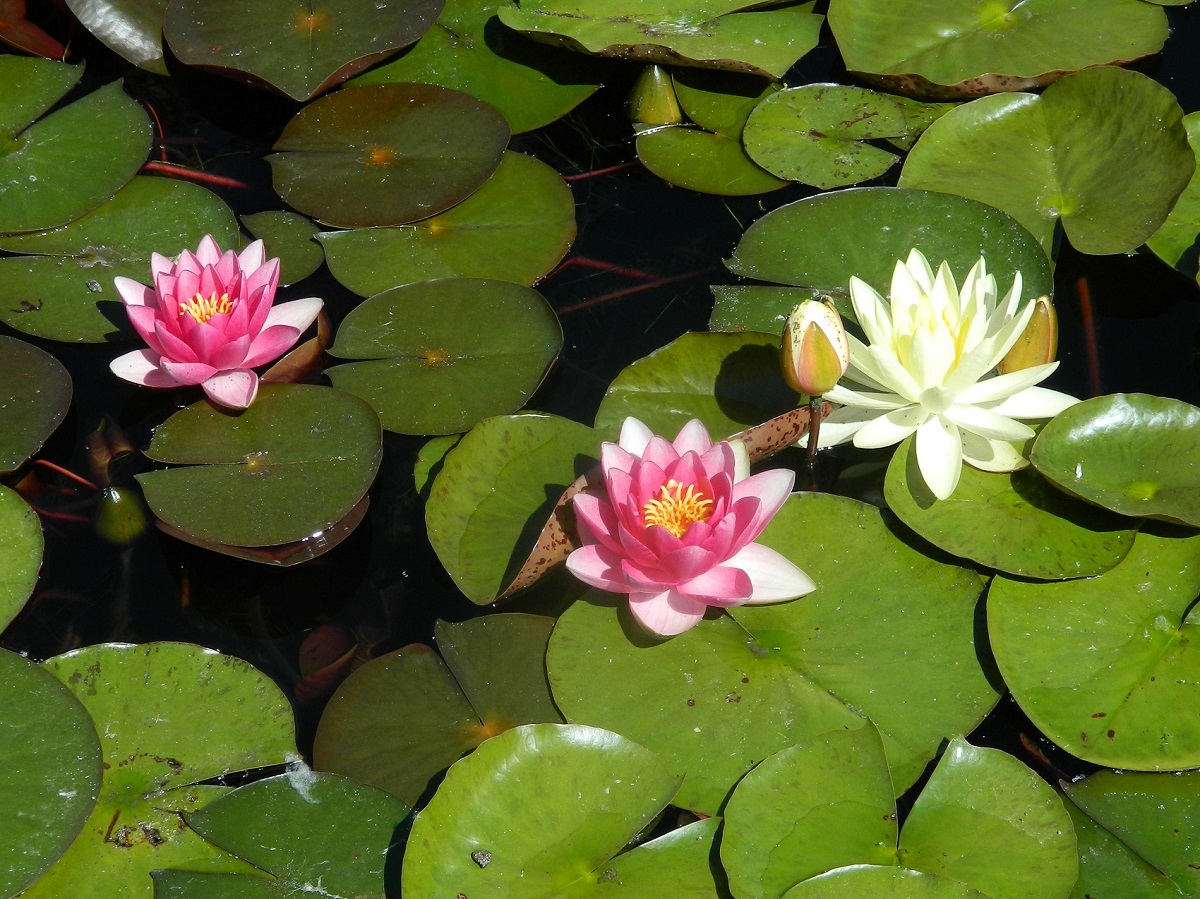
{"x": 1139, "y": 829}
{"x": 295, "y": 46}
{"x": 758, "y": 307}
{"x": 34, "y": 86}
{"x": 387, "y": 154}
{"x": 35, "y": 392}
{"x": 64, "y": 289}
{"x": 980, "y": 48}
{"x": 728, "y": 381}
{"x": 854, "y": 881}
{"x": 290, "y": 237}
{"x": 49, "y": 770}
{"x": 401, "y": 719}
{"x": 516, "y": 227}
{"x": 55, "y": 170}
{"x": 495, "y": 491}
{"x": 169, "y": 716}
{"x": 720, "y": 101}
{"x": 820, "y": 242}
{"x": 1047, "y": 534}
{"x": 442, "y": 355}
{"x": 1132, "y": 453}
{"x": 130, "y": 28}
{"x": 723, "y": 34}
{"x": 1104, "y": 151}
{"x": 307, "y": 832}
{"x": 20, "y": 553}
{"x": 703, "y": 161}
{"x": 580, "y": 794}
{"x": 814, "y": 134}
{"x": 468, "y": 50}
{"x": 1175, "y": 242}
{"x": 293, "y": 464}
{"x": 1105, "y": 666}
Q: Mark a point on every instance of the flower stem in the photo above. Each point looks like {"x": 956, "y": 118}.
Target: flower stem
{"x": 814, "y": 435}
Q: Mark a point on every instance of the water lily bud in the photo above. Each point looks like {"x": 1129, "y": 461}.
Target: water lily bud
{"x": 120, "y": 516}
{"x": 652, "y": 100}
{"x": 815, "y": 352}
{"x": 1038, "y": 343}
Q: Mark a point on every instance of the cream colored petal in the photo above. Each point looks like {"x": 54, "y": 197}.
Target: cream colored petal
{"x": 890, "y": 428}
{"x": 939, "y": 455}
{"x": 920, "y": 270}
{"x": 991, "y": 455}
{"x": 1001, "y": 387}
{"x": 865, "y": 399}
{"x": 932, "y": 357}
{"x": 871, "y": 312}
{"x": 988, "y": 424}
{"x": 887, "y": 370}
{"x": 1035, "y": 402}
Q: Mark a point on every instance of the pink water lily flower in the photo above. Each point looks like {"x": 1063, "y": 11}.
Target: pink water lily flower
{"x": 209, "y": 320}
{"x": 676, "y": 529}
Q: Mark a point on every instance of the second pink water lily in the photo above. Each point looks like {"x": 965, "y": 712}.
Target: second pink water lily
{"x": 209, "y": 319}
{"x": 676, "y": 530}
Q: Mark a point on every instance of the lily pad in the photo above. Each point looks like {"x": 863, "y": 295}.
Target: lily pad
{"x": 34, "y": 86}
{"x": 1047, "y": 534}
{"x": 35, "y": 392}
{"x": 295, "y": 46}
{"x": 999, "y": 45}
{"x": 723, "y": 34}
{"x": 49, "y": 770}
{"x": 703, "y": 161}
{"x": 442, "y": 355}
{"x": 758, "y": 307}
{"x": 468, "y": 50}
{"x": 403, "y": 718}
{"x": 820, "y": 242}
{"x": 64, "y": 289}
{"x": 130, "y": 28}
{"x": 1104, "y": 151}
{"x": 720, "y": 101}
{"x": 169, "y": 716}
{"x": 387, "y": 154}
{"x": 292, "y": 238}
{"x": 1105, "y": 666}
{"x": 294, "y": 463}
{"x": 516, "y": 227}
{"x": 1132, "y": 453}
{"x": 55, "y": 170}
{"x": 306, "y": 832}
{"x": 853, "y": 881}
{"x": 20, "y": 553}
{"x": 1176, "y": 241}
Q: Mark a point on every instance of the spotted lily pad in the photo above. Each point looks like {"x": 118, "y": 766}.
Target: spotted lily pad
{"x": 1132, "y": 453}
{"x": 130, "y": 28}
{"x": 35, "y": 392}
{"x": 387, "y": 154}
{"x": 20, "y": 553}
{"x": 293, "y": 464}
{"x": 441, "y": 355}
{"x": 299, "y": 47}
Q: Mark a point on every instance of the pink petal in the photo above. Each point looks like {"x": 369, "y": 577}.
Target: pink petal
{"x": 236, "y": 389}
{"x": 145, "y": 321}
{"x": 667, "y": 613}
{"x": 600, "y": 520}
{"x": 208, "y": 252}
{"x": 614, "y": 458}
{"x": 270, "y": 344}
{"x": 158, "y": 265}
{"x": 298, "y": 314}
{"x": 252, "y": 257}
{"x": 134, "y": 293}
{"x": 773, "y": 576}
{"x": 771, "y": 488}
{"x": 634, "y": 436}
{"x": 693, "y": 438}
{"x": 724, "y": 585}
{"x": 682, "y": 565}
{"x": 232, "y": 354}
{"x": 170, "y": 345}
{"x": 141, "y": 367}
{"x": 598, "y": 567}
{"x": 188, "y": 372}
{"x": 659, "y": 453}
{"x": 206, "y": 341}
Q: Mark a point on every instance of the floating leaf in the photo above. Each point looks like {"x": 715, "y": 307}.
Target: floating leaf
{"x": 18, "y": 32}
{"x": 515, "y": 228}
{"x": 703, "y": 161}
{"x": 64, "y": 290}
{"x": 49, "y": 770}
{"x": 1132, "y": 453}
{"x": 1175, "y": 242}
{"x": 289, "y": 236}
{"x": 292, "y": 464}
{"x": 298, "y": 47}
{"x": 387, "y": 154}
{"x": 35, "y": 392}
{"x": 720, "y": 101}
{"x": 442, "y": 355}
{"x": 1105, "y": 666}
{"x": 757, "y": 307}
{"x": 34, "y": 86}
{"x": 20, "y": 554}
{"x": 130, "y": 28}
{"x": 1104, "y": 151}
{"x": 854, "y": 881}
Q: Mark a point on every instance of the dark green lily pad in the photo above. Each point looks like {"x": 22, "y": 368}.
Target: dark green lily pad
{"x": 758, "y": 307}
{"x": 64, "y": 289}
{"x": 1176, "y": 241}
{"x": 1104, "y": 151}
{"x": 306, "y": 832}
{"x": 130, "y": 28}
{"x": 298, "y": 47}
{"x": 293, "y": 464}
{"x": 814, "y": 134}
{"x": 728, "y": 381}
{"x": 34, "y": 86}
{"x": 495, "y": 491}
{"x": 1136, "y": 833}
{"x": 980, "y": 48}
{"x": 468, "y": 50}
{"x": 387, "y": 154}
{"x": 720, "y": 101}
{"x": 35, "y": 392}
{"x": 1106, "y": 666}
{"x": 55, "y": 170}
{"x": 401, "y": 719}
{"x": 724, "y": 34}
{"x": 445, "y": 354}
{"x": 516, "y": 227}
{"x": 20, "y": 553}
{"x": 292, "y": 238}
{"x": 49, "y": 770}
{"x": 1046, "y": 534}
{"x": 1132, "y": 453}
{"x": 821, "y": 241}
{"x": 169, "y": 715}
{"x": 703, "y": 161}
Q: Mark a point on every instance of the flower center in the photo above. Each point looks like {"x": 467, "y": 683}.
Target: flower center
{"x": 677, "y": 508}
{"x": 203, "y": 308}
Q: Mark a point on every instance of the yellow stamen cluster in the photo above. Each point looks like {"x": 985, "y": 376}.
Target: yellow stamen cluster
{"x": 677, "y": 509}
{"x": 203, "y": 308}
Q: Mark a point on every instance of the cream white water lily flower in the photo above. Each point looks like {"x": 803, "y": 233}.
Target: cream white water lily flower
{"x": 929, "y": 368}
